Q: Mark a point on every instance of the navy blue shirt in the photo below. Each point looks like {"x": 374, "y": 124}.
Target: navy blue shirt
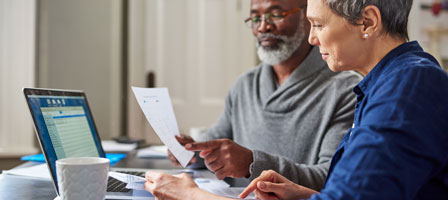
{"x": 398, "y": 146}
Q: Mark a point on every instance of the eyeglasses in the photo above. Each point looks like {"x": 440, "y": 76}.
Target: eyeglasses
{"x": 270, "y": 18}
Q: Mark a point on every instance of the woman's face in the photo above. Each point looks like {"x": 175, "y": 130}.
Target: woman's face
{"x": 340, "y": 42}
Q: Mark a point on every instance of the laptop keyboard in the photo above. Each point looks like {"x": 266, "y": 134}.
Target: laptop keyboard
{"x": 114, "y": 185}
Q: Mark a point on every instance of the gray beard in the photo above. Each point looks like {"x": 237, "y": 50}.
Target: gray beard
{"x": 283, "y": 51}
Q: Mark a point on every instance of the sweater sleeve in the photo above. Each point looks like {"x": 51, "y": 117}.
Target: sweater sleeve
{"x": 312, "y": 176}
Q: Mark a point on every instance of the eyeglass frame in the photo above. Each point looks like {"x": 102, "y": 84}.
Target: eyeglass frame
{"x": 265, "y": 17}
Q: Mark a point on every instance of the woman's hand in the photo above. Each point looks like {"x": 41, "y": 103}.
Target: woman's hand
{"x": 175, "y": 187}
{"x": 170, "y": 187}
{"x": 270, "y": 185}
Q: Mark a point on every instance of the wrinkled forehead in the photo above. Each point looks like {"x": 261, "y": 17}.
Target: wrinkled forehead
{"x": 264, "y": 5}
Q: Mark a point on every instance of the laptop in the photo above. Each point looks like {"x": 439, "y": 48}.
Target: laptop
{"x": 65, "y": 128}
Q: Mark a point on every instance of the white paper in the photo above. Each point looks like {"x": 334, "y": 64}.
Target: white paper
{"x": 212, "y": 185}
{"x": 126, "y": 178}
{"x": 203, "y": 174}
{"x": 158, "y": 151}
{"x": 136, "y": 186}
{"x": 110, "y": 145}
{"x": 37, "y": 171}
{"x": 156, "y": 105}
{"x": 206, "y": 183}
{"x": 231, "y": 192}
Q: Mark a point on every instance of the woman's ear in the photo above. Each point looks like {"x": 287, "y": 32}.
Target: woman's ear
{"x": 371, "y": 21}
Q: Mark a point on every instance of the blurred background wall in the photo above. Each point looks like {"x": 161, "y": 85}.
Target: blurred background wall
{"x": 79, "y": 46}
{"x": 196, "y": 48}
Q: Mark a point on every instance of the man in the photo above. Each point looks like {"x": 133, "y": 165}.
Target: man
{"x": 288, "y": 114}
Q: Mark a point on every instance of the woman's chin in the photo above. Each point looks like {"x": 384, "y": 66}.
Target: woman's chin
{"x": 334, "y": 68}
{"x": 337, "y": 68}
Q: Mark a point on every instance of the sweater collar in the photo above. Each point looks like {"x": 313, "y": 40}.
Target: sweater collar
{"x": 268, "y": 89}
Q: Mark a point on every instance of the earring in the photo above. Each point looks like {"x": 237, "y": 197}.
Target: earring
{"x": 365, "y": 36}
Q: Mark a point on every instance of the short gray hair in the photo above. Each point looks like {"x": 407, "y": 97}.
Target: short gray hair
{"x": 394, "y": 13}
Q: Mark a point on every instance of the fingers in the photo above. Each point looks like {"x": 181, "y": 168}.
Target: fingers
{"x": 265, "y": 175}
{"x": 204, "y": 153}
{"x": 266, "y": 186}
{"x": 262, "y": 190}
{"x": 153, "y": 176}
{"x": 173, "y": 159}
{"x": 215, "y": 164}
{"x": 211, "y": 158}
{"x": 193, "y": 160}
{"x": 175, "y": 162}
{"x": 200, "y": 146}
{"x": 264, "y": 196}
{"x": 249, "y": 189}
{"x": 149, "y": 186}
{"x": 183, "y": 139}
{"x": 221, "y": 173}
{"x": 182, "y": 175}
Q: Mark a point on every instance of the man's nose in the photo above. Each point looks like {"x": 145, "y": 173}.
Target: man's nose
{"x": 264, "y": 27}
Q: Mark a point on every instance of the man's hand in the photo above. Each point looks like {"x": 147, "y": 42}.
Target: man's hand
{"x": 183, "y": 139}
{"x": 224, "y": 157}
{"x": 271, "y": 185}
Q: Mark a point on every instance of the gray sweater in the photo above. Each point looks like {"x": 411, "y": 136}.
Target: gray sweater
{"x": 293, "y": 129}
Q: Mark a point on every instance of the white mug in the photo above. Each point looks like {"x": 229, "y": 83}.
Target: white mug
{"x": 82, "y": 178}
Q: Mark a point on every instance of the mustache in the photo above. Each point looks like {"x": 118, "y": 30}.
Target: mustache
{"x": 263, "y": 36}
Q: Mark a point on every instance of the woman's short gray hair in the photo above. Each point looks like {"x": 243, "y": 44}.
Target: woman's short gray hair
{"x": 394, "y": 13}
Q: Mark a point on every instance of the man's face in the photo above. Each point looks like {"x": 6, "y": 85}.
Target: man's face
{"x": 277, "y": 42}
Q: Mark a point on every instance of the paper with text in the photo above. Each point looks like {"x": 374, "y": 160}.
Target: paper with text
{"x": 231, "y": 192}
{"x": 212, "y": 185}
{"x": 126, "y": 178}
{"x": 156, "y": 105}
{"x": 136, "y": 186}
{"x": 133, "y": 182}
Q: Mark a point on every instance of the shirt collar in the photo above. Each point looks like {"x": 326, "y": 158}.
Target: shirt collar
{"x": 384, "y": 67}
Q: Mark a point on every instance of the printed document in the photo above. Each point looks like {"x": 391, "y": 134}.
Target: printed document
{"x": 156, "y": 105}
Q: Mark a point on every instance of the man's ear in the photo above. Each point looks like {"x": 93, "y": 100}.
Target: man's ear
{"x": 371, "y": 20}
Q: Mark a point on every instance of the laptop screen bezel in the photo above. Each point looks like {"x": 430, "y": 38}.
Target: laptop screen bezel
{"x": 62, "y": 93}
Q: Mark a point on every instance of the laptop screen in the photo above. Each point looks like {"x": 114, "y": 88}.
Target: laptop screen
{"x": 64, "y": 125}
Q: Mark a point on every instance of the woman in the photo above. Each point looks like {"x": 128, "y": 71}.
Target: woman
{"x": 398, "y": 146}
